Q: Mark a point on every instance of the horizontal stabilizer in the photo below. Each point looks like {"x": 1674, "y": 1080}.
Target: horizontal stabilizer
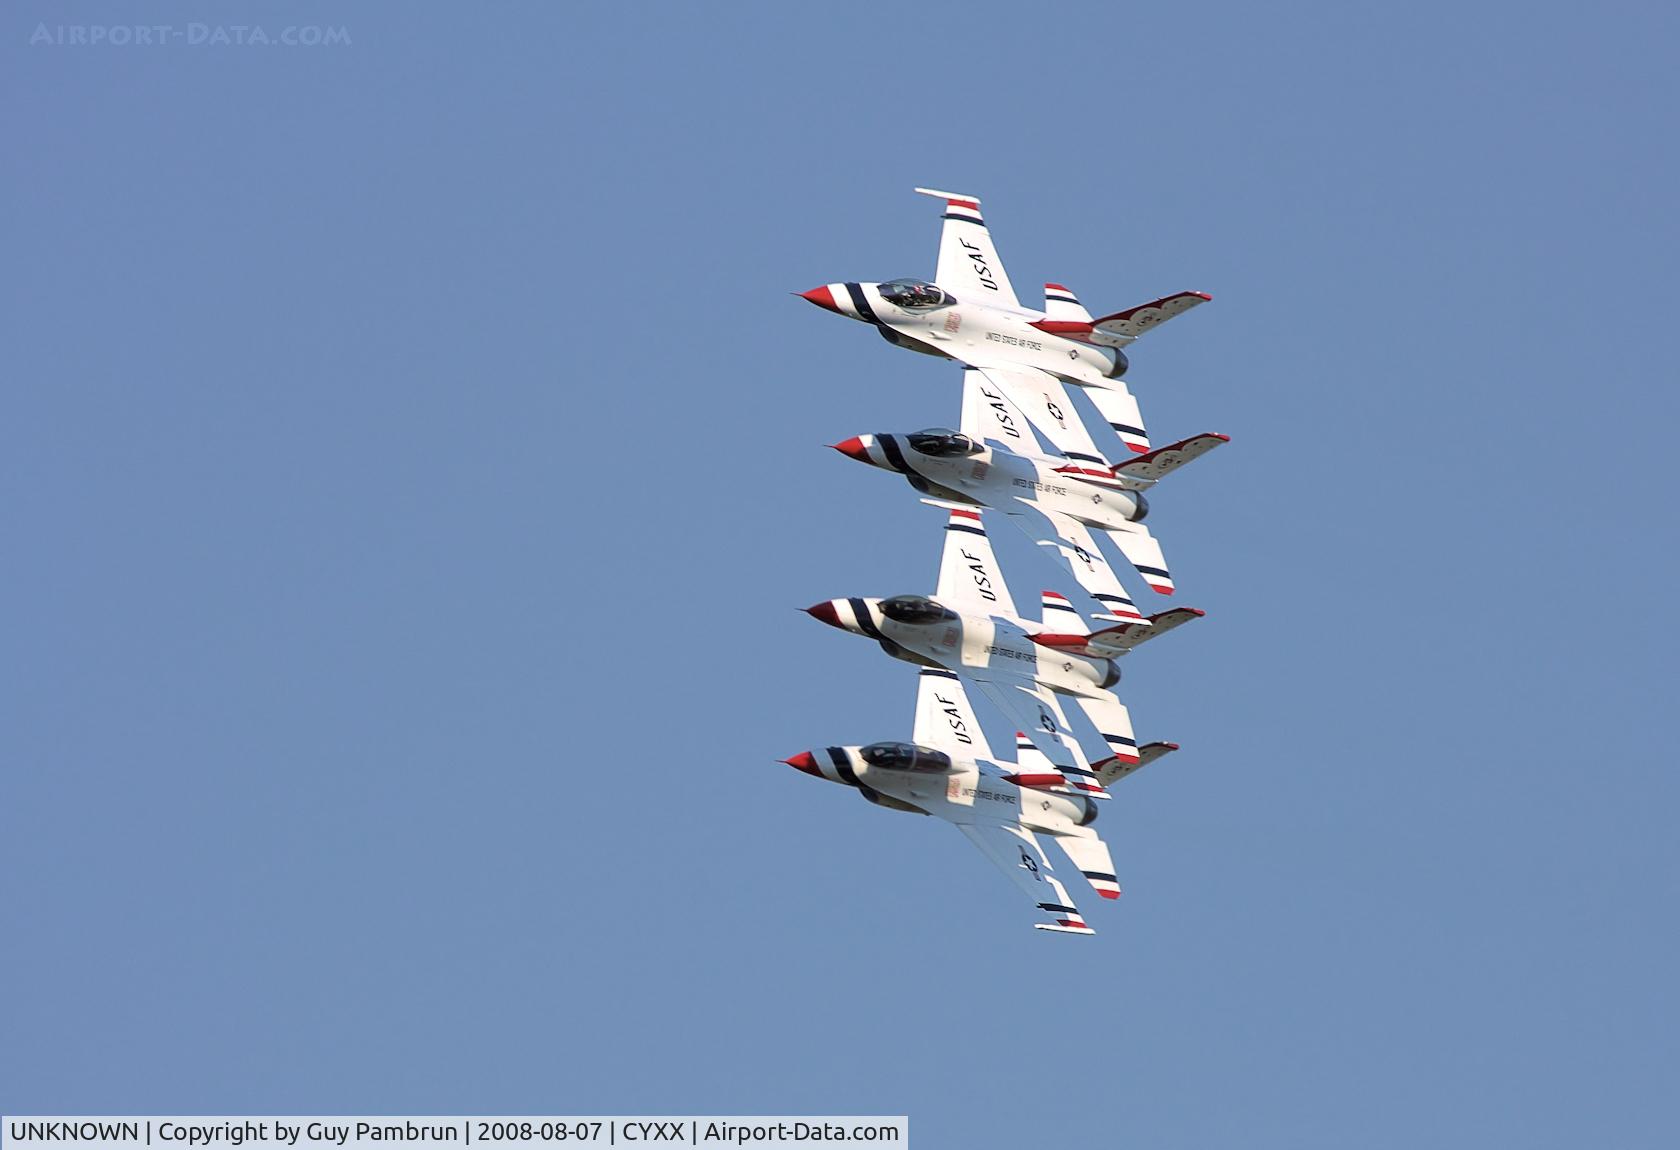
{"x": 1165, "y": 460}
{"x": 1119, "y": 639}
{"x": 1123, "y": 327}
{"x": 1111, "y": 771}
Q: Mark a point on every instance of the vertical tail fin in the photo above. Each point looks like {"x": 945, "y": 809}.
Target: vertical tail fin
{"x": 1062, "y": 306}
{"x": 1166, "y": 460}
{"x": 1061, "y": 617}
{"x": 1033, "y": 768}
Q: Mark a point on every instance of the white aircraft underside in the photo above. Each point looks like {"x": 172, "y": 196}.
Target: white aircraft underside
{"x": 970, "y": 313}
{"x": 948, "y": 771}
{"x": 971, "y": 628}
{"x": 1030, "y": 450}
{"x": 1058, "y": 503}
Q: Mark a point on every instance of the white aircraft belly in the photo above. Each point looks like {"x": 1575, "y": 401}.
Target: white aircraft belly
{"x": 1077, "y": 501}
{"x": 966, "y": 795}
{"x": 978, "y": 638}
{"x": 990, "y": 339}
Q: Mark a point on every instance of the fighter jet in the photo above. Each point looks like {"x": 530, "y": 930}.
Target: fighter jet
{"x": 971, "y": 628}
{"x": 949, "y": 771}
{"x": 1058, "y": 502}
{"x": 970, "y": 314}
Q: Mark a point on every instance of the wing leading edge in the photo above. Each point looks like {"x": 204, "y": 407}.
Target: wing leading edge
{"x": 968, "y": 261}
{"x": 1018, "y": 854}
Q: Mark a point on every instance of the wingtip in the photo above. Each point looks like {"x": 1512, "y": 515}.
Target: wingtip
{"x": 937, "y": 194}
{"x": 1066, "y": 926}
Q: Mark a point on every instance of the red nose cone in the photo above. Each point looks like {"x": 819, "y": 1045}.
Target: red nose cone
{"x": 852, "y": 447}
{"x": 826, "y": 612}
{"x": 820, "y": 296}
{"x": 803, "y": 762}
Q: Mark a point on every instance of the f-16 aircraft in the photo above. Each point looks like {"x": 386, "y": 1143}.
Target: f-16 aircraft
{"x": 969, "y": 313}
{"x": 971, "y": 628}
{"x": 992, "y": 462}
{"x": 949, "y": 771}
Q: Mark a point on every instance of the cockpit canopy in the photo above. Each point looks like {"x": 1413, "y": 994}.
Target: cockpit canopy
{"x": 942, "y": 441}
{"x": 905, "y": 757}
{"x": 914, "y": 295}
{"x": 916, "y": 610}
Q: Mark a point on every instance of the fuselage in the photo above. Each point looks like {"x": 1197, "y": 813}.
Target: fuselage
{"x": 936, "y": 322}
{"x": 965, "y": 792}
{"x": 922, "y": 631}
{"x": 992, "y": 478}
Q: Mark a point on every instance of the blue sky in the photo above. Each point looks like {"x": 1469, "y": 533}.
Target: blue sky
{"x": 413, "y": 460}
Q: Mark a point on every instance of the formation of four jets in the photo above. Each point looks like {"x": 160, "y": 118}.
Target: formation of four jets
{"x": 1023, "y": 451}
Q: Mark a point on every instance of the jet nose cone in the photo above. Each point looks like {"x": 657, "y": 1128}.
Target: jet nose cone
{"x": 821, "y": 296}
{"x": 803, "y": 761}
{"x": 824, "y": 611}
{"x": 853, "y": 447}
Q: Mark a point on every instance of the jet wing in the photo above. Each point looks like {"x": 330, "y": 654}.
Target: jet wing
{"x": 1143, "y": 551}
{"x": 990, "y": 416}
{"x": 1119, "y": 409}
{"x": 1071, "y": 543}
{"x": 968, "y": 263}
{"x": 969, "y": 578}
{"x": 944, "y": 717}
{"x": 1034, "y": 711}
{"x": 1047, "y": 405}
{"x": 1018, "y": 854}
{"x": 1090, "y": 858}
